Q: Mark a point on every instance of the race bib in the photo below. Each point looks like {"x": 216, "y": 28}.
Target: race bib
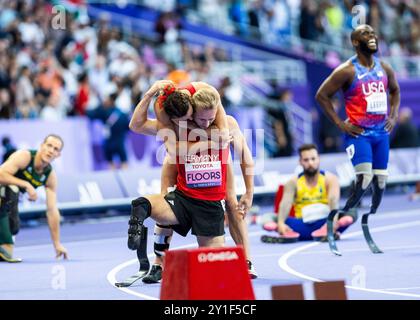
{"x": 315, "y": 212}
{"x": 203, "y": 174}
{"x": 377, "y": 103}
{"x": 350, "y": 151}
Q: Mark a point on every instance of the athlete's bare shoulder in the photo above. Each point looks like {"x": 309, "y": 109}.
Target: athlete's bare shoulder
{"x": 21, "y": 156}
{"x": 17, "y": 160}
{"x": 232, "y": 123}
{"x": 346, "y": 69}
{"x": 341, "y": 77}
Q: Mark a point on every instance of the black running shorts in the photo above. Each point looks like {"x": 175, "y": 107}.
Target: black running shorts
{"x": 205, "y": 218}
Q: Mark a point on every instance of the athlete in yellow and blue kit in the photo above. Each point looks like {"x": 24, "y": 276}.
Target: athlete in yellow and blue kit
{"x": 312, "y": 195}
{"x": 365, "y": 81}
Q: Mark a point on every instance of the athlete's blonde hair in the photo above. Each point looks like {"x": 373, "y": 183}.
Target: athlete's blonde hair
{"x": 205, "y": 99}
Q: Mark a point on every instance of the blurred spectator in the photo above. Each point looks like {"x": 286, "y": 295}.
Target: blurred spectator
{"x": 172, "y": 49}
{"x": 53, "y": 110}
{"x": 24, "y": 87}
{"x": 6, "y": 109}
{"x": 49, "y": 79}
{"x": 86, "y": 40}
{"x": 8, "y": 13}
{"x": 330, "y": 136}
{"x": 30, "y": 31}
{"x": 5, "y": 79}
{"x": 254, "y": 19}
{"x": 82, "y": 97}
{"x": 279, "y": 20}
{"x": 310, "y": 24}
{"x": 375, "y": 15}
{"x": 115, "y": 130}
{"x": 215, "y": 13}
{"x": 126, "y": 61}
{"x": 167, "y": 25}
{"x": 163, "y": 5}
{"x": 99, "y": 76}
{"x": 39, "y": 66}
{"x": 238, "y": 16}
{"x": 231, "y": 92}
{"x": 123, "y": 100}
{"x": 327, "y": 22}
{"x": 184, "y": 5}
{"x": 179, "y": 76}
{"x": 280, "y": 125}
{"x": 334, "y": 22}
{"x": 8, "y": 147}
{"x": 26, "y": 111}
{"x": 200, "y": 62}
{"x": 224, "y": 85}
{"x": 406, "y": 134}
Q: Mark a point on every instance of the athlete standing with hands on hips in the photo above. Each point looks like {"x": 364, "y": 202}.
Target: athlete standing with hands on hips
{"x": 365, "y": 81}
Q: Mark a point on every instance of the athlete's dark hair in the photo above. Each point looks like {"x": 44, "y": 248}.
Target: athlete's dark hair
{"x": 56, "y": 137}
{"x": 177, "y": 104}
{"x": 306, "y": 147}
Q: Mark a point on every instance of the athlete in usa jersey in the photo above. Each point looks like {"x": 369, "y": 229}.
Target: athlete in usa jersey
{"x": 366, "y": 98}
{"x": 372, "y": 98}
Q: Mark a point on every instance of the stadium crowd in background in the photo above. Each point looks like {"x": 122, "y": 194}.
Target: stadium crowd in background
{"x": 53, "y": 73}
{"x": 326, "y": 21}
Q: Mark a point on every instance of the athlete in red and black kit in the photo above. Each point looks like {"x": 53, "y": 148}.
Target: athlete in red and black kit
{"x": 197, "y": 203}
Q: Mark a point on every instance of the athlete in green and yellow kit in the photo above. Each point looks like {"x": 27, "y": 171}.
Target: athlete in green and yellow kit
{"x": 24, "y": 171}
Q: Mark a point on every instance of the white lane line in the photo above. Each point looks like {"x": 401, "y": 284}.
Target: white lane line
{"x": 112, "y": 279}
{"x": 364, "y": 249}
{"x": 385, "y": 216}
{"x": 76, "y": 242}
{"x": 266, "y": 255}
{"x": 111, "y": 276}
{"x": 282, "y": 262}
{"x": 408, "y": 288}
{"x": 394, "y": 214}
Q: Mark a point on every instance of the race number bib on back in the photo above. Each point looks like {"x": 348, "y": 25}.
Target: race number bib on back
{"x": 203, "y": 174}
{"x": 377, "y": 103}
